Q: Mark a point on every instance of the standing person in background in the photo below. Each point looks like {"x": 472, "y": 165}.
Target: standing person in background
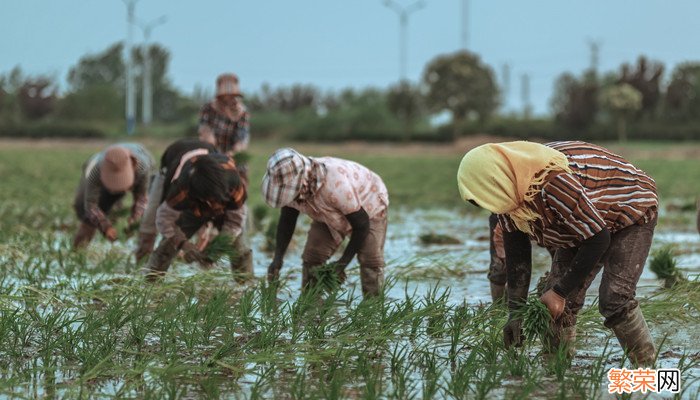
{"x": 105, "y": 179}
{"x": 225, "y": 122}
{"x": 342, "y": 198}
{"x": 596, "y": 209}
{"x": 174, "y": 155}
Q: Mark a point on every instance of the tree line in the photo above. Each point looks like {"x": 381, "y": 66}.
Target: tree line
{"x": 599, "y": 105}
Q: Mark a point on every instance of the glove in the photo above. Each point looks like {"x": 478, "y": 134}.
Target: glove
{"x": 111, "y": 234}
{"x": 513, "y": 333}
{"x": 146, "y": 242}
{"x": 554, "y": 302}
{"x": 273, "y": 271}
{"x": 192, "y": 254}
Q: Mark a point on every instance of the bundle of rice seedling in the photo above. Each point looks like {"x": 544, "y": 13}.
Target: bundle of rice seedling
{"x": 270, "y": 236}
{"x": 327, "y": 277}
{"x": 663, "y": 264}
{"x": 219, "y": 248}
{"x": 536, "y": 319}
{"x": 438, "y": 238}
{"x": 242, "y": 158}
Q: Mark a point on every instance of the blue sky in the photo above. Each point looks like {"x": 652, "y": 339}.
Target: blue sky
{"x": 335, "y": 44}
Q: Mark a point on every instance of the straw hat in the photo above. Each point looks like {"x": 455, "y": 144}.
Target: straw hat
{"x": 227, "y": 84}
{"x": 117, "y": 169}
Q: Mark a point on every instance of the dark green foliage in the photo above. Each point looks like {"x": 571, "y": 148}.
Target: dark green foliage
{"x": 52, "y": 130}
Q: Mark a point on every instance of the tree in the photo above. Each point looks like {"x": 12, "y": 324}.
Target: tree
{"x": 37, "y": 97}
{"x": 461, "y": 84}
{"x": 646, "y": 78}
{"x": 575, "y": 101}
{"x": 105, "y": 68}
{"x": 682, "y": 99}
{"x": 285, "y": 99}
{"x": 622, "y": 100}
{"x": 406, "y": 103}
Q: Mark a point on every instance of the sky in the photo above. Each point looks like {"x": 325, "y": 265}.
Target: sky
{"x": 335, "y": 44}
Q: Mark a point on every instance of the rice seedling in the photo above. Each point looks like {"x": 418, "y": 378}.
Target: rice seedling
{"x": 664, "y": 264}
{"x": 536, "y": 320}
{"x": 438, "y": 238}
{"x": 220, "y": 249}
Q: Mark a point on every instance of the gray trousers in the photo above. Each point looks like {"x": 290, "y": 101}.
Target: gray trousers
{"x": 622, "y": 265}
{"x": 320, "y": 246}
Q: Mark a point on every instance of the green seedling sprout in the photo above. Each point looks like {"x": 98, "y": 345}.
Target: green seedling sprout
{"x": 664, "y": 264}
{"x": 536, "y": 319}
{"x": 220, "y": 248}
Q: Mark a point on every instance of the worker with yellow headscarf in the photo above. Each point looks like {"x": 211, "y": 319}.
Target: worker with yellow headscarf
{"x": 596, "y": 209}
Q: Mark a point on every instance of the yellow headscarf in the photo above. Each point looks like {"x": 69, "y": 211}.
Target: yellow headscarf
{"x": 500, "y": 177}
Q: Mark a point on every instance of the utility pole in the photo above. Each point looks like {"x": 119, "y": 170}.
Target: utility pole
{"x": 465, "y": 24}
{"x": 594, "y": 46}
{"x": 147, "y": 100}
{"x": 403, "y": 12}
{"x": 525, "y": 95}
{"x": 130, "y": 89}
{"x": 505, "y": 78}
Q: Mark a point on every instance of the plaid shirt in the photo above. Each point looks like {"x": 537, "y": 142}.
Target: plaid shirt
{"x": 230, "y": 135}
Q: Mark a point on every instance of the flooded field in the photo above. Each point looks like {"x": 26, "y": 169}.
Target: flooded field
{"x": 86, "y": 325}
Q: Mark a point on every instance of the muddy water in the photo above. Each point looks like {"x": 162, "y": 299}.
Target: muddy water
{"x": 463, "y": 267}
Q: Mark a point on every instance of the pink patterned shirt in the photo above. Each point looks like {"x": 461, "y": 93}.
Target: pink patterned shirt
{"x": 347, "y": 187}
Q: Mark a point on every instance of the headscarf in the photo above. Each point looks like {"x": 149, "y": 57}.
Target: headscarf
{"x": 291, "y": 176}
{"x": 501, "y": 177}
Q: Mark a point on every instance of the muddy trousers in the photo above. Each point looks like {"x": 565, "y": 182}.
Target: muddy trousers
{"x": 163, "y": 255}
{"x": 87, "y": 230}
{"x": 622, "y": 265}
{"x": 321, "y": 245}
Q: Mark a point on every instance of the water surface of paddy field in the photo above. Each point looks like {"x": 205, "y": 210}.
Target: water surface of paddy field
{"x": 84, "y": 324}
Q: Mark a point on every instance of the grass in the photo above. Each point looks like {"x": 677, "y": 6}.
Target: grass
{"x": 85, "y": 325}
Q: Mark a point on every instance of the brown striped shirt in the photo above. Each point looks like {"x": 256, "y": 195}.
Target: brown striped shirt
{"x": 603, "y": 190}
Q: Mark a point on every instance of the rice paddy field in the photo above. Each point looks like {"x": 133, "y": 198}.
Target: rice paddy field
{"x": 86, "y": 325}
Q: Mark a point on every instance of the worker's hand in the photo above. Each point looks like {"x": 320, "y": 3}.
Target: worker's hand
{"x": 555, "y": 303}
{"x": 273, "y": 271}
{"x": 192, "y": 254}
{"x": 146, "y": 243}
{"x": 111, "y": 234}
{"x": 513, "y": 333}
{"x": 340, "y": 271}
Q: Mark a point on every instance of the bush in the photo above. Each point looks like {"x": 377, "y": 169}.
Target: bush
{"x": 46, "y": 130}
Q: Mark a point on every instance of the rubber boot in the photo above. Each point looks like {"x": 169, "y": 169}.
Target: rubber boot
{"x": 372, "y": 280}
{"x": 560, "y": 337}
{"x": 498, "y": 292}
{"x": 84, "y": 235}
{"x": 160, "y": 259}
{"x": 242, "y": 263}
{"x": 635, "y": 338}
